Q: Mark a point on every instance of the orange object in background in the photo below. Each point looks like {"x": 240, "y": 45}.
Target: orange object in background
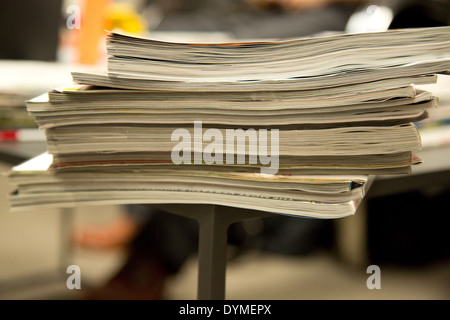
{"x": 98, "y": 17}
{"x": 90, "y": 36}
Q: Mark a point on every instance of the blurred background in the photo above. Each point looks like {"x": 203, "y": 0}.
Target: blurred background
{"x": 401, "y": 226}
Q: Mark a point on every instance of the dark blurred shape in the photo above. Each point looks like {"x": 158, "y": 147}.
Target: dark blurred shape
{"x": 29, "y": 29}
{"x": 243, "y": 20}
{"x": 409, "y": 228}
{"x": 418, "y": 14}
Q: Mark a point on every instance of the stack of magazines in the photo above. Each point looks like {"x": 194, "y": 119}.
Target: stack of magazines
{"x": 294, "y": 126}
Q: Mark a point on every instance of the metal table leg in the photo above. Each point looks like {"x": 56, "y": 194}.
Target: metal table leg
{"x": 66, "y": 224}
{"x": 214, "y": 222}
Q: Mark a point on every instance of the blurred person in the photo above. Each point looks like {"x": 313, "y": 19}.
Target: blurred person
{"x": 246, "y": 19}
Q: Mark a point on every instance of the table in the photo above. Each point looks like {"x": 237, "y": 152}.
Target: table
{"x": 215, "y": 220}
{"x": 13, "y": 153}
{"x": 351, "y": 232}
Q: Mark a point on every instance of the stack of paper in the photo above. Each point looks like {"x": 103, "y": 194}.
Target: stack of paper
{"x": 21, "y": 80}
{"x": 291, "y": 126}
